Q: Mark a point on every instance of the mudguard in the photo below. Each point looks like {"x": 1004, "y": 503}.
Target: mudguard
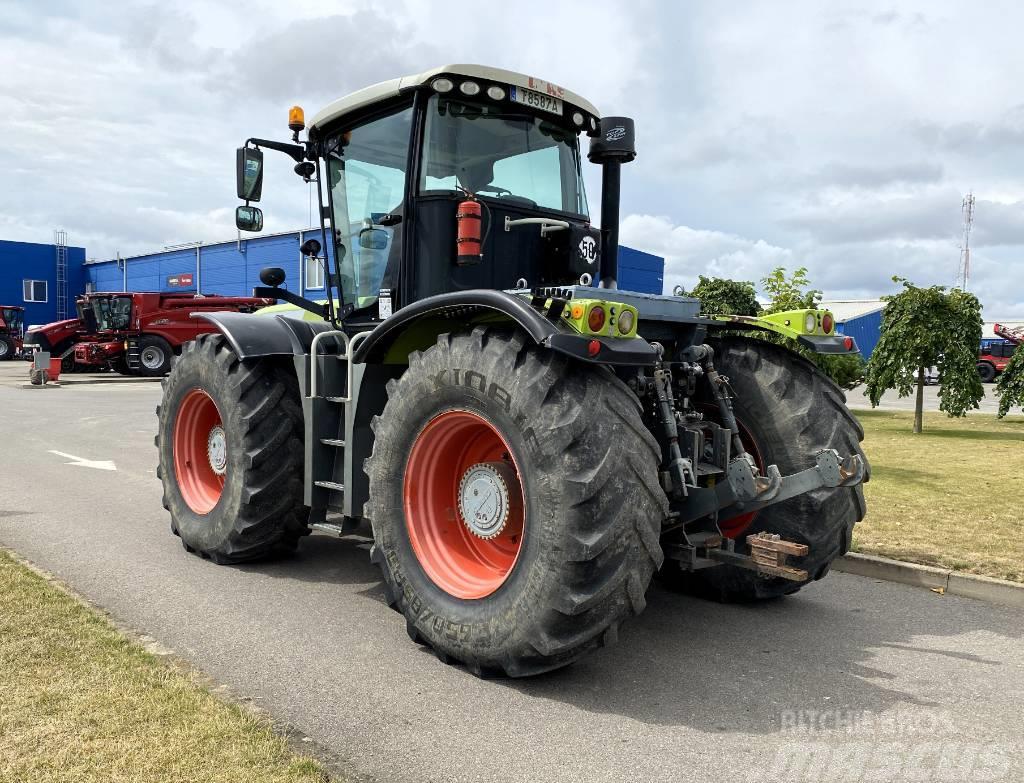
{"x": 417, "y": 325}
{"x": 252, "y": 336}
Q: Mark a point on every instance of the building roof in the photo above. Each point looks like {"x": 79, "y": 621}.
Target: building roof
{"x": 847, "y": 309}
{"x": 389, "y": 89}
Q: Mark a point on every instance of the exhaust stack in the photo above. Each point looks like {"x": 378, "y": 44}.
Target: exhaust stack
{"x": 614, "y": 145}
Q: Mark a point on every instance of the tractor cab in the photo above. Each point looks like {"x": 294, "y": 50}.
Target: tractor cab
{"x": 107, "y": 312}
{"x": 12, "y": 320}
{"x": 12, "y": 330}
{"x": 461, "y": 178}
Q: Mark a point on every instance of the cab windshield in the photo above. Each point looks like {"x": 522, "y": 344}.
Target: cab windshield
{"x": 113, "y": 313}
{"x": 497, "y": 150}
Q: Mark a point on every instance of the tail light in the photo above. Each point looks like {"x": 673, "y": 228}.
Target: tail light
{"x": 596, "y": 318}
{"x": 827, "y": 322}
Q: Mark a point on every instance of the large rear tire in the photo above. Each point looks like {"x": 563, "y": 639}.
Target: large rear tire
{"x": 6, "y": 349}
{"x": 787, "y": 410}
{"x": 987, "y": 372}
{"x": 230, "y": 441}
{"x": 567, "y": 548}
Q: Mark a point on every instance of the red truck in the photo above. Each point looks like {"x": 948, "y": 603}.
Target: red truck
{"x": 12, "y": 325}
{"x": 135, "y": 333}
{"x": 993, "y": 358}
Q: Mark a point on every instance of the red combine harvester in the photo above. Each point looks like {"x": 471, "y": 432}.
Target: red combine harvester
{"x": 133, "y": 333}
{"x": 12, "y": 325}
{"x": 993, "y": 358}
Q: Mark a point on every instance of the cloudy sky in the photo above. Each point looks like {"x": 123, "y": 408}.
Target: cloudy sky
{"x": 832, "y": 135}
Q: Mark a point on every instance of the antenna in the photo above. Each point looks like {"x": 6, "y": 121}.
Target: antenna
{"x": 964, "y": 273}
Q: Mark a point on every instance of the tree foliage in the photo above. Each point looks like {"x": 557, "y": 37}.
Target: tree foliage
{"x": 719, "y": 296}
{"x": 925, "y": 327}
{"x": 1011, "y": 383}
{"x": 789, "y": 293}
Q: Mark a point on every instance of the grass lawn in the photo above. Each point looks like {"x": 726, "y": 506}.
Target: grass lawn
{"x": 949, "y": 497}
{"x": 81, "y": 702}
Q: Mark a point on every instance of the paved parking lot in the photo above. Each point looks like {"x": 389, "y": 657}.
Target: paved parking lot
{"x": 850, "y": 675}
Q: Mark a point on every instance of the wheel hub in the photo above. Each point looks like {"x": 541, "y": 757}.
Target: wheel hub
{"x": 217, "y": 450}
{"x": 484, "y": 498}
{"x": 152, "y": 358}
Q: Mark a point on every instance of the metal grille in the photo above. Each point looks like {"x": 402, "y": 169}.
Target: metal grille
{"x": 60, "y": 243}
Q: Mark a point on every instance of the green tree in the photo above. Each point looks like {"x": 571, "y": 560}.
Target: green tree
{"x": 719, "y": 296}
{"x": 1010, "y": 388}
{"x": 922, "y": 327}
{"x": 789, "y": 293}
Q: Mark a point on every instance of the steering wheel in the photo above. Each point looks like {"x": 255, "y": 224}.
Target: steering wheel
{"x": 495, "y": 189}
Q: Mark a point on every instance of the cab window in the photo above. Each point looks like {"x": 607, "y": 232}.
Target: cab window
{"x": 367, "y": 168}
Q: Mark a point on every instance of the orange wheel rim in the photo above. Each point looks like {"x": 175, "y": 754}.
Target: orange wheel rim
{"x": 464, "y": 504}
{"x": 200, "y": 451}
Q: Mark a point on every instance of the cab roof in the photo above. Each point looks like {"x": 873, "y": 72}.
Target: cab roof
{"x": 393, "y": 87}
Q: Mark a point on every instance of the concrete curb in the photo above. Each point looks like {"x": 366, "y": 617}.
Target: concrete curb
{"x": 980, "y": 588}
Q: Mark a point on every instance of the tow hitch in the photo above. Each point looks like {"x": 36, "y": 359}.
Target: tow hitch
{"x": 768, "y": 553}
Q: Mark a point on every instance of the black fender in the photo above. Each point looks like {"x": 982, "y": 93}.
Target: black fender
{"x": 482, "y": 306}
{"x": 252, "y": 336}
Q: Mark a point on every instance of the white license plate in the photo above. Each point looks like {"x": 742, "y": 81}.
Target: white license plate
{"x": 536, "y": 100}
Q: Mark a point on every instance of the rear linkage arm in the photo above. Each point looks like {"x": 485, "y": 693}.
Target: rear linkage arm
{"x": 744, "y": 489}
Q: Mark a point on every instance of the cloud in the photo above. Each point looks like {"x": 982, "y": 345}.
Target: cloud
{"x": 841, "y": 138}
{"x": 690, "y": 252}
{"x": 325, "y": 57}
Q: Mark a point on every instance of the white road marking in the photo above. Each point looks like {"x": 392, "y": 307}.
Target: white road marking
{"x": 98, "y": 464}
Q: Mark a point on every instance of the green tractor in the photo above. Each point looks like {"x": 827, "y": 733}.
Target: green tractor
{"x": 529, "y": 444}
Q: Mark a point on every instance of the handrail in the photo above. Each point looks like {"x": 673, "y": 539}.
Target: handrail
{"x": 350, "y": 344}
{"x": 313, "y": 346}
{"x": 547, "y": 225}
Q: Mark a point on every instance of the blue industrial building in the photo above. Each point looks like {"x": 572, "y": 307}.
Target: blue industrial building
{"x": 860, "y": 319}
{"x": 232, "y": 268}
{"x": 44, "y": 279}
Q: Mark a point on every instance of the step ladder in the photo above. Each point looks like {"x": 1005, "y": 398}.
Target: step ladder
{"x": 133, "y": 356}
{"x": 330, "y": 482}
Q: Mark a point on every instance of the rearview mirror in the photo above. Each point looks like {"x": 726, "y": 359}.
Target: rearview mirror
{"x": 249, "y": 219}
{"x": 249, "y": 173}
{"x": 373, "y": 239}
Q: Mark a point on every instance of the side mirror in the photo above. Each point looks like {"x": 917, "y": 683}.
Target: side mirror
{"x": 249, "y": 219}
{"x": 272, "y": 276}
{"x": 310, "y": 248}
{"x": 374, "y": 238}
{"x": 249, "y": 173}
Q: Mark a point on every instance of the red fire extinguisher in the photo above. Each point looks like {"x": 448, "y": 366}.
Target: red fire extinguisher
{"x": 469, "y": 249}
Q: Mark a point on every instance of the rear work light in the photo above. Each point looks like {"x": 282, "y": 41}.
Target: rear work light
{"x": 625, "y": 321}
{"x": 596, "y": 319}
{"x": 827, "y": 323}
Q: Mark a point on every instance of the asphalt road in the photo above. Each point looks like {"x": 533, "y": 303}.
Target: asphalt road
{"x": 851, "y": 677}
{"x": 890, "y": 401}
